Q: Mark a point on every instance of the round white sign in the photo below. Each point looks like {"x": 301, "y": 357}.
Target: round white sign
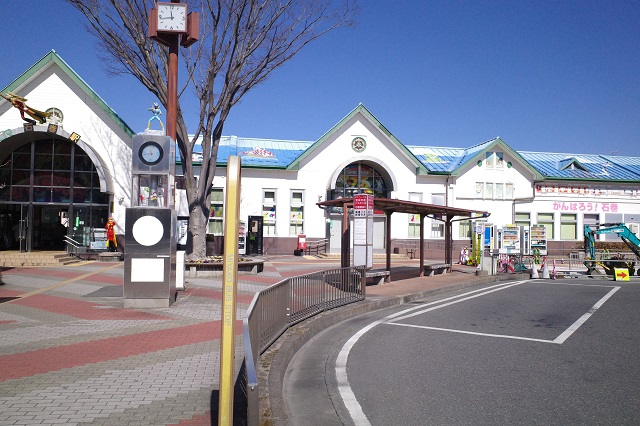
{"x": 147, "y": 231}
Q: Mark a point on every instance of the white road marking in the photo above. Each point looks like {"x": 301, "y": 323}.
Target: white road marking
{"x": 346, "y": 393}
{"x": 451, "y": 330}
{"x": 569, "y": 331}
{"x": 458, "y": 301}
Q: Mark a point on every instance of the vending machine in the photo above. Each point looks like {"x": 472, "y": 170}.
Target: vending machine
{"x": 509, "y": 240}
{"x": 489, "y": 242}
{"x": 242, "y": 237}
{"x": 538, "y": 239}
{"x": 525, "y": 241}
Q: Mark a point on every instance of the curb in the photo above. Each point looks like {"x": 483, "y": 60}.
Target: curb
{"x": 275, "y": 360}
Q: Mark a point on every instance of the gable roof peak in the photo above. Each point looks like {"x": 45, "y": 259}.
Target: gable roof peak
{"x": 52, "y": 57}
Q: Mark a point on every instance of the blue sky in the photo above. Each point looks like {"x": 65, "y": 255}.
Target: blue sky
{"x": 551, "y": 76}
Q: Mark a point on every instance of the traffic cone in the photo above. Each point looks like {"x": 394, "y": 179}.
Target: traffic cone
{"x": 534, "y": 272}
{"x": 545, "y": 271}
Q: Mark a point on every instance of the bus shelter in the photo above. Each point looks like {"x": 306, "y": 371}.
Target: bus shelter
{"x": 446, "y": 214}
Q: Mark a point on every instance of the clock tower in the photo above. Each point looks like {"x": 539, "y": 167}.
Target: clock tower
{"x": 153, "y": 170}
{"x": 151, "y": 228}
{"x": 151, "y": 274}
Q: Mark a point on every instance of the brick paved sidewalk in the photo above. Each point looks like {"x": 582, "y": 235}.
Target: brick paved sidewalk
{"x": 71, "y": 354}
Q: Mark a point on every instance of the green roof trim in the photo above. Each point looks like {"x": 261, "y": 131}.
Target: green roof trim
{"x": 570, "y": 163}
{"x": 360, "y": 109}
{"x": 53, "y": 57}
{"x": 490, "y": 146}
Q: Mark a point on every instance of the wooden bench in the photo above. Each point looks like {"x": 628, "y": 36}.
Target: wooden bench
{"x": 436, "y": 269}
{"x": 379, "y": 277}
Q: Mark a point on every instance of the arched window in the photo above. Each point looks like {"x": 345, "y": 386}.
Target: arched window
{"x": 359, "y": 178}
{"x": 62, "y": 173}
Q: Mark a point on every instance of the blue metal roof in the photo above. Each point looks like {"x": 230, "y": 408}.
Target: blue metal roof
{"x": 438, "y": 159}
{"x": 586, "y": 166}
{"x": 446, "y": 160}
{"x": 274, "y": 153}
{"x": 268, "y": 153}
{"x": 271, "y": 153}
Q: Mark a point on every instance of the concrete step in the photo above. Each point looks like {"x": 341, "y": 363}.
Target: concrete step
{"x": 40, "y": 258}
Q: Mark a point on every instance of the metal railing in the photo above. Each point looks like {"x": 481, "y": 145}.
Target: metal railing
{"x": 316, "y": 246}
{"x": 278, "y": 307}
{"x": 574, "y": 261}
{"x": 73, "y": 247}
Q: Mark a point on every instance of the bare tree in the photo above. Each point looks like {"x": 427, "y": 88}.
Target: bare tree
{"x": 241, "y": 43}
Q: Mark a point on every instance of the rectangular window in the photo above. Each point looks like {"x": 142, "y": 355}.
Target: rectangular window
{"x": 465, "y": 229}
{"x": 499, "y": 191}
{"x": 499, "y": 160}
{"x": 269, "y": 212}
{"x": 296, "y": 220}
{"x": 437, "y": 229}
{"x": 414, "y": 226}
{"x": 546, "y": 220}
{"x": 508, "y": 191}
{"x": 523, "y": 219}
{"x": 437, "y": 199}
{"x": 414, "y": 219}
{"x": 479, "y": 189}
{"x": 489, "y": 160}
{"x": 437, "y": 226}
{"x": 488, "y": 190}
{"x": 593, "y": 220}
{"x": 568, "y": 227}
{"x": 216, "y": 212}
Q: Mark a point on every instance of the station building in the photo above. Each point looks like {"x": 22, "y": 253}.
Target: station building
{"x": 65, "y": 177}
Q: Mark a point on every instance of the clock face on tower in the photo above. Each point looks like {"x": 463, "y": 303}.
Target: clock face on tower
{"x": 172, "y": 17}
{"x": 150, "y": 153}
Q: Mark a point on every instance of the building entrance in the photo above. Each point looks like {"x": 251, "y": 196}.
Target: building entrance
{"x": 50, "y": 189}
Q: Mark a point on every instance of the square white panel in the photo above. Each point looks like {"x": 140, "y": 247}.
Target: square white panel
{"x": 147, "y": 270}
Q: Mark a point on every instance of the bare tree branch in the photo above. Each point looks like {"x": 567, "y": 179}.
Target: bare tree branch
{"x": 241, "y": 43}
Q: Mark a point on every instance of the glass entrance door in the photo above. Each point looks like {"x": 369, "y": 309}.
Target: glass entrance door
{"x": 49, "y": 227}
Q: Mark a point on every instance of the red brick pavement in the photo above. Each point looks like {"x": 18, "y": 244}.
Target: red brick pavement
{"x": 67, "y": 356}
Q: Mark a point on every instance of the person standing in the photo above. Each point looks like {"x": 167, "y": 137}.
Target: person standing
{"x": 112, "y": 244}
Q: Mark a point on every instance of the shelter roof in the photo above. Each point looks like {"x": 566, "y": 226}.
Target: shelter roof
{"x": 412, "y": 207}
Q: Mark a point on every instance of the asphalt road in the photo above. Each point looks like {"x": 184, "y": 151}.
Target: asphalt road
{"x": 531, "y": 352}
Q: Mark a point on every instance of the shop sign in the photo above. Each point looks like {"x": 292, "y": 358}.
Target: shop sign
{"x": 585, "y": 207}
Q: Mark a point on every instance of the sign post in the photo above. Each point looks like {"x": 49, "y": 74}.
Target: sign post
{"x": 363, "y": 230}
{"x": 229, "y": 292}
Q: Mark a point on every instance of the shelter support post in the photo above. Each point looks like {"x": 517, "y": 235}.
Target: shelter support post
{"x": 345, "y": 249}
{"x": 388, "y": 240}
{"x": 422, "y": 217}
{"x": 448, "y": 246}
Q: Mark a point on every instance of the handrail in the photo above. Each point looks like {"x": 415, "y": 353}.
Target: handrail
{"x": 70, "y": 241}
{"x": 72, "y": 245}
{"x": 316, "y": 245}
{"x": 290, "y": 301}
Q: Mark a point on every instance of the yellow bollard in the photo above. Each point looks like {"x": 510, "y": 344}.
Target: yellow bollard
{"x": 229, "y": 292}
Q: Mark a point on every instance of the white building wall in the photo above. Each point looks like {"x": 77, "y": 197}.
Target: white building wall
{"x": 53, "y": 88}
{"x": 517, "y": 176}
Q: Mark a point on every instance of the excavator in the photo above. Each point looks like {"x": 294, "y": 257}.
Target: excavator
{"x": 621, "y": 230}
